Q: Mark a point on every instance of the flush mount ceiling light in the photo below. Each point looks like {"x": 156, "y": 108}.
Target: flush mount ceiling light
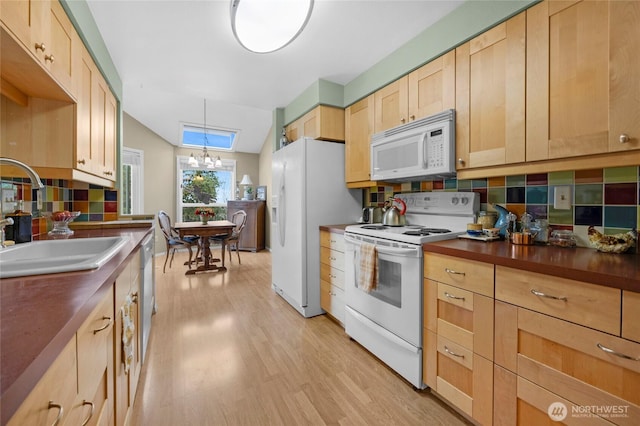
{"x": 205, "y": 158}
{"x": 264, "y": 26}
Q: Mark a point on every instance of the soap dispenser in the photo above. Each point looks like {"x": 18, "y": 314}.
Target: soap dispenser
{"x": 20, "y": 231}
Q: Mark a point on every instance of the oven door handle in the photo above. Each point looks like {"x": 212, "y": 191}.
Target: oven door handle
{"x": 387, "y": 250}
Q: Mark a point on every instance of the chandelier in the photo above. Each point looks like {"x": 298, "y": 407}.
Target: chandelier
{"x": 204, "y": 158}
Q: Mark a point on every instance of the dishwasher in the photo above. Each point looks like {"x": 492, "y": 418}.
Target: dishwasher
{"x": 147, "y": 291}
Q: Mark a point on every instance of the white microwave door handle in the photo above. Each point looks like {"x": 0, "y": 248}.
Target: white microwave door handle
{"x": 425, "y": 149}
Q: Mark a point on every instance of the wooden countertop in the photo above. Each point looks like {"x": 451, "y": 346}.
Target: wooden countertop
{"x": 39, "y": 314}
{"x": 583, "y": 264}
{"x": 338, "y": 229}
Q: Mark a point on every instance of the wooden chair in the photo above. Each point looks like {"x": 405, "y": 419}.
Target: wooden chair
{"x": 231, "y": 240}
{"x": 173, "y": 240}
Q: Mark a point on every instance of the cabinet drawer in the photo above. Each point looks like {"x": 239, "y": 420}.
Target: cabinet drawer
{"x": 467, "y": 274}
{"x": 332, "y": 240}
{"x": 93, "y": 339}
{"x": 463, "y": 378}
{"x": 58, "y": 386}
{"x": 333, "y": 258}
{"x": 630, "y": 312}
{"x": 332, "y": 275}
{"x": 332, "y": 300}
{"x": 461, "y": 316}
{"x": 586, "y": 304}
{"x": 581, "y": 365}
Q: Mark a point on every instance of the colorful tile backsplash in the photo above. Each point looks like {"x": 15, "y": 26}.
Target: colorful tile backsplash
{"x": 95, "y": 203}
{"x": 608, "y": 199}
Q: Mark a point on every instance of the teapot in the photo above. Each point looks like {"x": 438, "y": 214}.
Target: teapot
{"x": 392, "y": 215}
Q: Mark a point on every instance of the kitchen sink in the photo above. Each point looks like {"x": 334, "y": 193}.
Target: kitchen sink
{"x": 53, "y": 256}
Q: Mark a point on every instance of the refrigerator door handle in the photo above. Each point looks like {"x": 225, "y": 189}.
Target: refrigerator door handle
{"x": 282, "y": 202}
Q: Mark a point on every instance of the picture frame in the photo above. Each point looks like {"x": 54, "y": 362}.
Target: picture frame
{"x": 261, "y": 193}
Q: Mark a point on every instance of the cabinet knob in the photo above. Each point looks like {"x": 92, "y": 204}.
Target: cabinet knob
{"x": 461, "y": 161}
{"x": 40, "y": 46}
{"x": 402, "y": 120}
{"x": 412, "y": 117}
{"x": 624, "y": 138}
{"x": 49, "y": 58}
{"x": 81, "y": 161}
{"x": 107, "y": 172}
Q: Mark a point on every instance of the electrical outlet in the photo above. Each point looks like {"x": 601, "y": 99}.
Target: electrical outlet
{"x": 562, "y": 197}
{"x": 39, "y": 199}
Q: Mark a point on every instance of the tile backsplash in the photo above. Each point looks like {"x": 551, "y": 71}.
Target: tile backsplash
{"x": 95, "y": 203}
{"x": 608, "y": 199}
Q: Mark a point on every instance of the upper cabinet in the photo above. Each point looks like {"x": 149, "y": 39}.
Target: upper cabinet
{"x": 490, "y": 97}
{"x": 426, "y": 91}
{"x": 43, "y": 62}
{"x": 583, "y": 69}
{"x": 47, "y": 33}
{"x": 358, "y": 131}
{"x": 323, "y": 122}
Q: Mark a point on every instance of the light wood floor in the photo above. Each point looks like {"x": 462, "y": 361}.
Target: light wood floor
{"x": 226, "y": 350}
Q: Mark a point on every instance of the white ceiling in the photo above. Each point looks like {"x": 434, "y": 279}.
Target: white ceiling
{"x": 171, "y": 54}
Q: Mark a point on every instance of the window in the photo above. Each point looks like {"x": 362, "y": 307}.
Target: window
{"x": 220, "y": 139}
{"x": 203, "y": 187}
{"x": 132, "y": 200}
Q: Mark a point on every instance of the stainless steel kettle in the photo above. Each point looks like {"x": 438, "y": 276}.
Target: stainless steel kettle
{"x": 394, "y": 216}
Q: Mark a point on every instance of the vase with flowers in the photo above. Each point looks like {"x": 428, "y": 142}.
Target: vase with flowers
{"x": 205, "y": 213}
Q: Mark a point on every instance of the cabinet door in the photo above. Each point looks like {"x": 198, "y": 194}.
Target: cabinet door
{"x": 292, "y": 131}
{"x": 490, "y": 97}
{"x": 16, "y": 15}
{"x": 84, "y": 82}
{"x": 432, "y": 87}
{"x": 630, "y": 310}
{"x": 576, "y": 365}
{"x": 51, "y": 399}
{"x": 391, "y": 105}
{"x": 60, "y": 57}
{"x": 110, "y": 136}
{"x": 359, "y": 119}
{"x": 98, "y": 98}
{"x": 583, "y": 70}
{"x": 95, "y": 365}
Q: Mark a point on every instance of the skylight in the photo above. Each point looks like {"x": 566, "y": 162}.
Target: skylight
{"x": 193, "y": 136}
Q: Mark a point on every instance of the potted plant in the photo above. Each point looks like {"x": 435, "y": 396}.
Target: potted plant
{"x": 248, "y": 193}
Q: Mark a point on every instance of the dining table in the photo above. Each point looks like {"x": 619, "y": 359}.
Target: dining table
{"x": 204, "y": 231}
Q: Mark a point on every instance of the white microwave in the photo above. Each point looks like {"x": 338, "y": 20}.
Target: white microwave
{"x": 420, "y": 150}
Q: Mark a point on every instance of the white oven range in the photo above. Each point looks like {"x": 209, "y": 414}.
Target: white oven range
{"x": 387, "y": 320}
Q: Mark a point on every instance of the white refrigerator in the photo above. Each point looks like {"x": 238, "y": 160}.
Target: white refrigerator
{"x": 308, "y": 190}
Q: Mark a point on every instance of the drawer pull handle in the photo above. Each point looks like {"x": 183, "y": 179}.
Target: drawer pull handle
{"x": 548, "y": 296}
{"x": 60, "y": 412}
{"x": 104, "y": 327}
{"x": 450, "y": 352}
{"x": 451, "y": 271}
{"x": 451, "y": 296}
{"x": 618, "y": 354}
{"x": 86, "y": 421}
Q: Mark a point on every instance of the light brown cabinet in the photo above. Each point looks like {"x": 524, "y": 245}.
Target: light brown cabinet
{"x": 332, "y": 274}
{"x": 81, "y": 138}
{"x": 323, "y": 123}
{"x": 359, "y": 119}
{"x": 458, "y": 333}
{"x": 252, "y": 236}
{"x": 125, "y": 384}
{"x": 426, "y": 91}
{"x": 46, "y": 32}
{"x": 490, "y": 97}
{"x": 583, "y": 70}
{"x": 630, "y": 310}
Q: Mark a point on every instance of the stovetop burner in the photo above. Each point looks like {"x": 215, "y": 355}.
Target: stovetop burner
{"x": 375, "y": 227}
{"x": 427, "y": 231}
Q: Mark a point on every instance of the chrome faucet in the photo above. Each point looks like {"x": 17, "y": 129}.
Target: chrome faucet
{"x": 3, "y": 223}
{"x": 35, "y": 179}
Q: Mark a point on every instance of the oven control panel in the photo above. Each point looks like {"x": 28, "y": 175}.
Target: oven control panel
{"x": 455, "y": 203}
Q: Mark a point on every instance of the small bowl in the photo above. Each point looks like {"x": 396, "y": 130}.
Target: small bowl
{"x": 491, "y": 232}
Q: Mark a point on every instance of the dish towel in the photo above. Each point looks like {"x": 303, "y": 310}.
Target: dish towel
{"x": 128, "y": 331}
{"x": 368, "y": 276}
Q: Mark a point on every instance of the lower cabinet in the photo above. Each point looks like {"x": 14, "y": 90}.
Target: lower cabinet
{"x": 252, "y": 236}
{"x": 87, "y": 384}
{"x": 458, "y": 334}
{"x": 550, "y": 368}
{"x": 127, "y": 349}
{"x": 49, "y": 402}
{"x": 332, "y": 274}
